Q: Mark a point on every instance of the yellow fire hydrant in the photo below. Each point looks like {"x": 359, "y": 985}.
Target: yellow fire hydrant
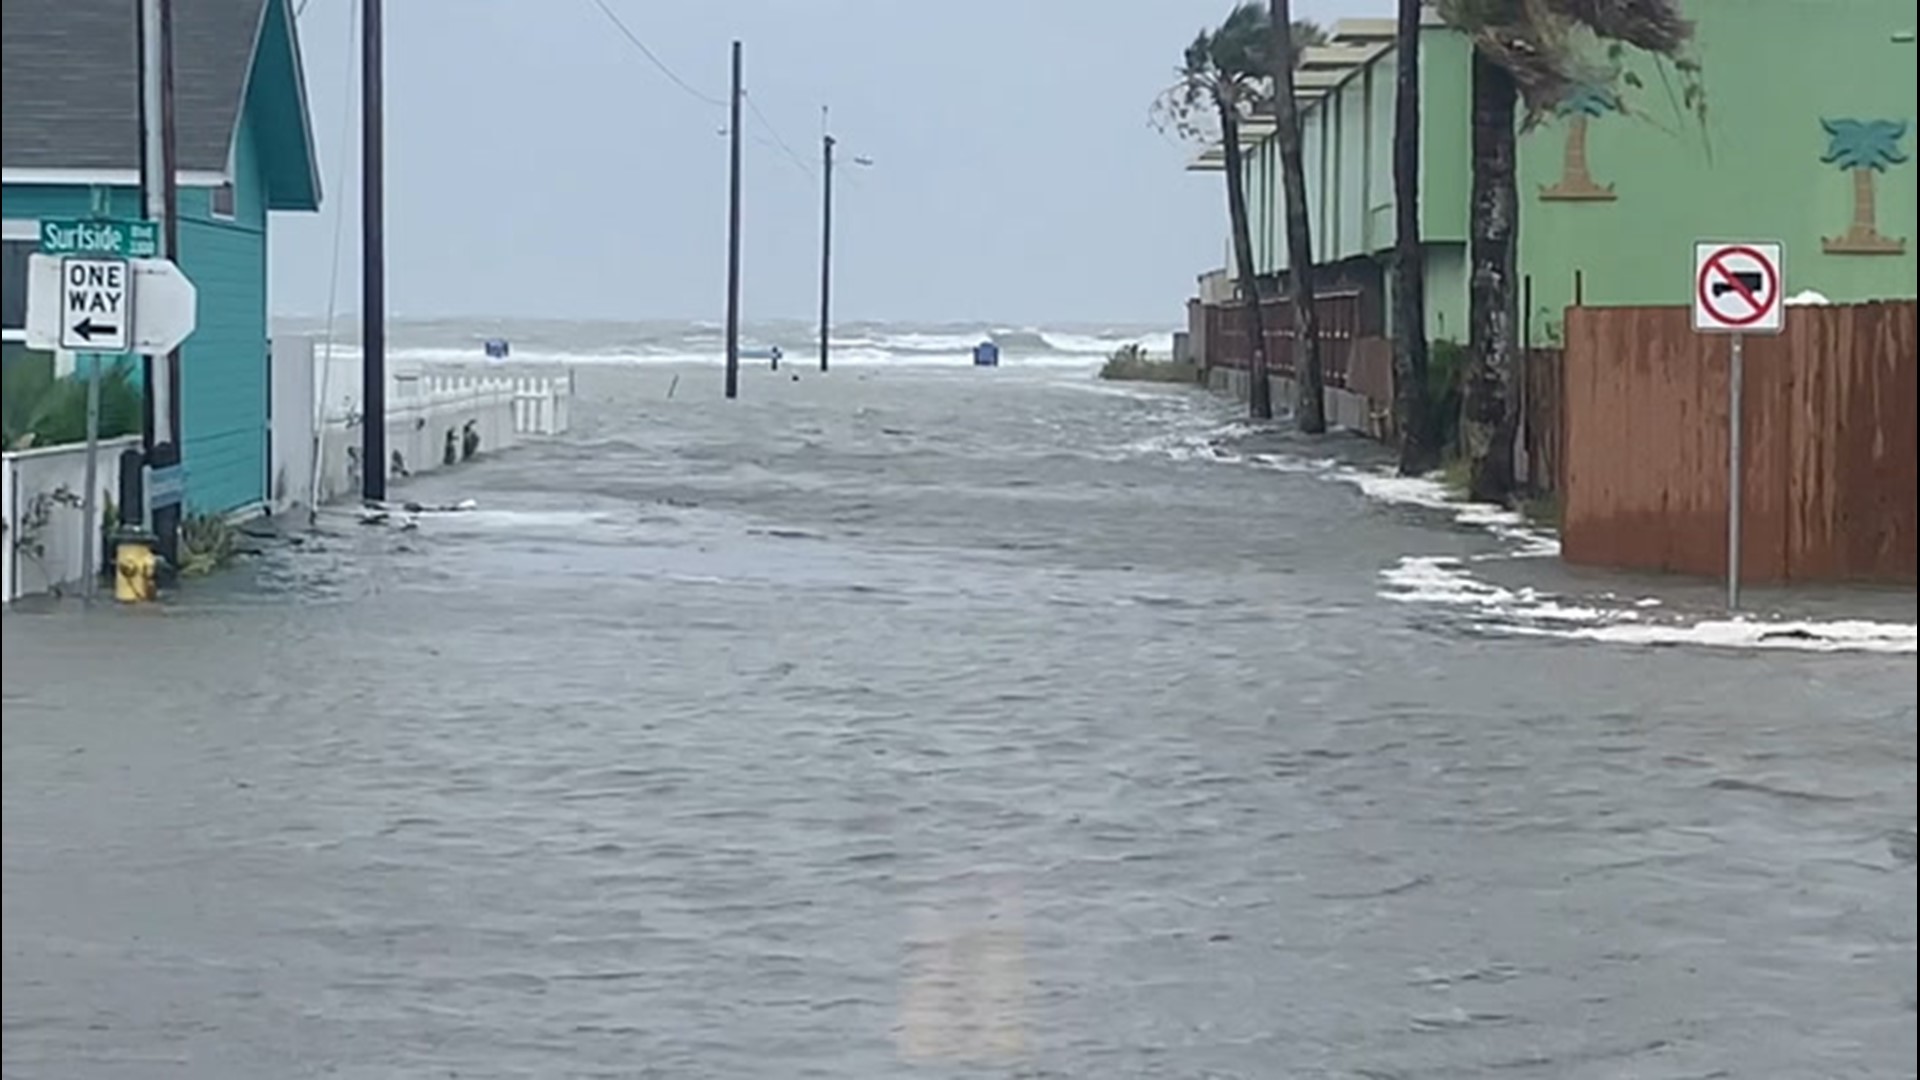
{"x": 134, "y": 568}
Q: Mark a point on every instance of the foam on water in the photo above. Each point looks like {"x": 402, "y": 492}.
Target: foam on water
{"x": 1450, "y": 581}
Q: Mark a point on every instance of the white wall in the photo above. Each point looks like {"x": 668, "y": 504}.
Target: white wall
{"x": 55, "y": 478}
{"x": 290, "y": 468}
{"x": 422, "y": 411}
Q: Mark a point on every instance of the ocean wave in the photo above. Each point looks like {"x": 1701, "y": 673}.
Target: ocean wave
{"x": 848, "y": 355}
{"x": 534, "y": 342}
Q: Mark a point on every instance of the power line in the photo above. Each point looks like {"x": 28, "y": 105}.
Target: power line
{"x": 653, "y": 59}
{"x": 803, "y": 164}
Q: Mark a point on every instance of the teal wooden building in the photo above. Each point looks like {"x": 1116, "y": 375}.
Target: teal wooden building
{"x": 69, "y": 139}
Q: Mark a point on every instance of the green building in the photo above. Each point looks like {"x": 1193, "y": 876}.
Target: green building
{"x": 1806, "y": 140}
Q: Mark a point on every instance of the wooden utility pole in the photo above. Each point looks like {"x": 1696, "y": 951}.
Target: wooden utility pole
{"x": 373, "y": 260}
{"x": 826, "y": 242}
{"x": 733, "y": 230}
{"x": 159, "y": 201}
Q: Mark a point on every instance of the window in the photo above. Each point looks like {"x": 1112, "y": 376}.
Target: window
{"x": 20, "y": 240}
{"x": 220, "y": 201}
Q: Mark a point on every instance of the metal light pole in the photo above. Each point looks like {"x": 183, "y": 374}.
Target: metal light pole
{"x": 827, "y": 143}
{"x": 826, "y": 242}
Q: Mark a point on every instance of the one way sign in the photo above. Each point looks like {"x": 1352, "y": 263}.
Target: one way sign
{"x": 85, "y": 303}
{"x": 96, "y": 302}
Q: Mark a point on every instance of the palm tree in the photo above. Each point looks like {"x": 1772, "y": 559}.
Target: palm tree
{"x": 1863, "y": 148}
{"x": 1220, "y": 82}
{"x": 1419, "y": 443}
{"x": 1310, "y": 410}
{"x": 1523, "y": 52}
{"x": 1584, "y": 104}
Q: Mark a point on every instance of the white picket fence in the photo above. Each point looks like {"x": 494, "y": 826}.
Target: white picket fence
{"x": 432, "y": 417}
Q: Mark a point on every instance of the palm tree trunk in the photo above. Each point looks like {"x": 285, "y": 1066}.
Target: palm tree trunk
{"x": 1574, "y": 172}
{"x": 1866, "y": 215}
{"x": 1488, "y": 418}
{"x": 1259, "y": 393}
{"x": 1310, "y": 412}
{"x": 1419, "y": 444}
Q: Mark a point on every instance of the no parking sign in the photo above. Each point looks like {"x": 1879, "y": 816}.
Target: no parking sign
{"x": 1737, "y": 288}
{"x": 1737, "y": 291}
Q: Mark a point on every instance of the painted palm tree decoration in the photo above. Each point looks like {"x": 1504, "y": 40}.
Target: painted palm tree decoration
{"x": 1581, "y": 105}
{"x": 1864, "y": 148}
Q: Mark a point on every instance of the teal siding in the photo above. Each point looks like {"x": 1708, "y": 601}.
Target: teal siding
{"x": 223, "y": 407}
{"x": 276, "y": 108}
{"x": 224, "y": 371}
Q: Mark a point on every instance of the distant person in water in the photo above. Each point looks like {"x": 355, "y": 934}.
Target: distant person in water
{"x": 775, "y": 354}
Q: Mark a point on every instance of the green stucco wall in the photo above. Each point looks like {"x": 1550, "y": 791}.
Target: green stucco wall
{"x": 1772, "y": 69}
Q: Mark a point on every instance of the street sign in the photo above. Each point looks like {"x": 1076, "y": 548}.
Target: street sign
{"x": 94, "y": 305}
{"x": 166, "y": 307}
{"x": 111, "y": 238}
{"x": 1738, "y": 288}
{"x": 162, "y": 302}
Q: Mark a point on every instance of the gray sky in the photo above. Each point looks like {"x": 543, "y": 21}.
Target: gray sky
{"x": 538, "y": 165}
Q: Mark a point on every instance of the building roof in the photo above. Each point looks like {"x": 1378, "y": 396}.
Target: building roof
{"x": 70, "y": 77}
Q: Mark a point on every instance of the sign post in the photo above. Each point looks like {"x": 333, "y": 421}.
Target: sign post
{"x": 1737, "y": 290}
{"x": 98, "y": 290}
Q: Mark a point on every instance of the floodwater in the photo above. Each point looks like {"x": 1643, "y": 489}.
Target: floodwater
{"x": 938, "y": 723}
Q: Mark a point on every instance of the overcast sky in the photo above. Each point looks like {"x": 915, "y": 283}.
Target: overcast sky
{"x": 538, "y": 165}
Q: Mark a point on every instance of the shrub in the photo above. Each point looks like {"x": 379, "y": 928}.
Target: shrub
{"x": 1131, "y": 362}
{"x": 41, "y": 409}
{"x": 208, "y": 542}
{"x": 1446, "y": 373}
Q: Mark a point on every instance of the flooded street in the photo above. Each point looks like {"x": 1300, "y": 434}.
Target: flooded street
{"x": 936, "y": 723}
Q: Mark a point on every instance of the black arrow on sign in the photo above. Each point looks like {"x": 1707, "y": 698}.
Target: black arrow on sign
{"x": 87, "y": 329}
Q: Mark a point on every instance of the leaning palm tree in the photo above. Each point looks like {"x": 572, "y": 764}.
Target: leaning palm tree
{"x": 1221, "y": 76}
{"x": 1524, "y": 53}
{"x": 1419, "y": 441}
{"x": 1310, "y": 409}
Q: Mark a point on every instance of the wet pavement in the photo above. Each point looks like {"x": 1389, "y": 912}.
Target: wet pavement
{"x": 931, "y": 723}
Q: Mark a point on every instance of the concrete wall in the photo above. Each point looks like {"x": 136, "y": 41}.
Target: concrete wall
{"x": 1345, "y": 408}
{"x": 425, "y": 409}
{"x": 41, "y": 495}
{"x": 293, "y": 413}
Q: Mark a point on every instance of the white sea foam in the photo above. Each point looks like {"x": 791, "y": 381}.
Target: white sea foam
{"x": 1450, "y": 581}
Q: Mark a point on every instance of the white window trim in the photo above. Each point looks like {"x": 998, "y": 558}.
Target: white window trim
{"x": 230, "y": 214}
{"x": 18, "y": 230}
{"x": 106, "y": 177}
